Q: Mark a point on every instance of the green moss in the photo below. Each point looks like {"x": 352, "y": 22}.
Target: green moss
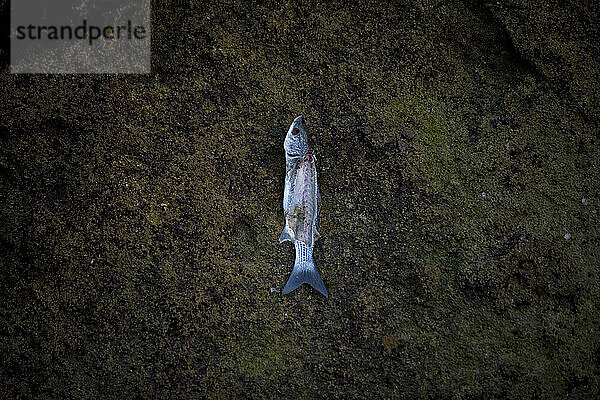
{"x": 436, "y": 157}
{"x": 390, "y": 343}
{"x": 264, "y": 357}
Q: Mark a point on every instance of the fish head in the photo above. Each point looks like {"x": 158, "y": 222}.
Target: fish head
{"x": 296, "y": 140}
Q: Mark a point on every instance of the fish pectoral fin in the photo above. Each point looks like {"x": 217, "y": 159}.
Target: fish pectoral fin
{"x": 286, "y": 235}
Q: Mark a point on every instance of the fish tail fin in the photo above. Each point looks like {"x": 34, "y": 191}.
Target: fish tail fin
{"x": 305, "y": 272}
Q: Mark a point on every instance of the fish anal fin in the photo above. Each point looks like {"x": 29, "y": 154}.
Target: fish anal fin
{"x": 286, "y": 235}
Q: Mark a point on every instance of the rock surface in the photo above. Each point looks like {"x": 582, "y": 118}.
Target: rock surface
{"x": 140, "y": 214}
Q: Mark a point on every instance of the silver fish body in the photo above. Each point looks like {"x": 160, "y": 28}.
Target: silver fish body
{"x": 301, "y": 207}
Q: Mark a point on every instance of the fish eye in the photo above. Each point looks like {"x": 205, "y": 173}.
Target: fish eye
{"x": 295, "y": 131}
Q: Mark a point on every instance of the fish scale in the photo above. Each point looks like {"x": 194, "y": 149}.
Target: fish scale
{"x": 304, "y": 254}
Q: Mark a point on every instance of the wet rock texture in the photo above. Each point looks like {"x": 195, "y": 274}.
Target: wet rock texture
{"x": 456, "y": 142}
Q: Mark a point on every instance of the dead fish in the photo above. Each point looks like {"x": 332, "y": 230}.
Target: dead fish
{"x": 301, "y": 207}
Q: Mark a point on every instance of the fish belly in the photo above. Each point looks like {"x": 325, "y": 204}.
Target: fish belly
{"x": 304, "y": 203}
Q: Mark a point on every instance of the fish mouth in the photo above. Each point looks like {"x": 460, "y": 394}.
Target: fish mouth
{"x": 293, "y": 154}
